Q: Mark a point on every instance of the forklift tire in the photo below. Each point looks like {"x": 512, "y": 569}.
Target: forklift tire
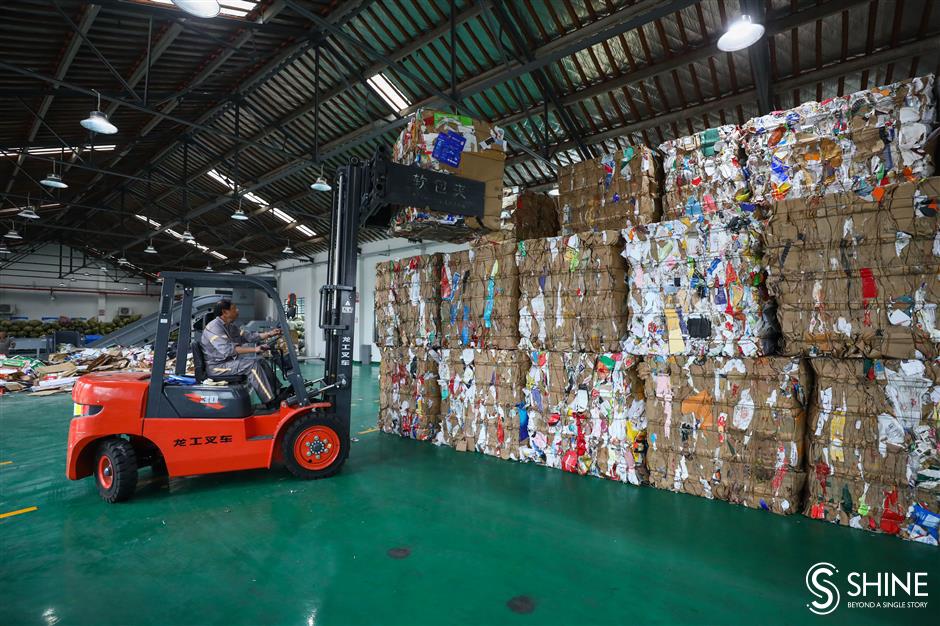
{"x": 312, "y": 447}
{"x": 116, "y": 470}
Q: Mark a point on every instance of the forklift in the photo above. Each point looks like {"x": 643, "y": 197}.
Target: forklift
{"x": 123, "y": 421}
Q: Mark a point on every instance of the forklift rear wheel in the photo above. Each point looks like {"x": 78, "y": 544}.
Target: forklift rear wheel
{"x": 116, "y": 470}
{"x": 312, "y": 447}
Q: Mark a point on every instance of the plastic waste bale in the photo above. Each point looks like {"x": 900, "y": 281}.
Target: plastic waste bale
{"x": 572, "y": 293}
{"x": 455, "y": 144}
{"x": 584, "y": 413}
{"x": 697, "y": 288}
{"x": 409, "y": 394}
{"x": 703, "y": 174}
{"x": 855, "y": 277}
{"x": 528, "y": 214}
{"x": 873, "y": 448}
{"x": 610, "y": 192}
{"x": 728, "y": 428}
{"x": 849, "y": 144}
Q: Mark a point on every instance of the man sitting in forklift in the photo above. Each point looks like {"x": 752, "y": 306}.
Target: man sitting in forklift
{"x": 227, "y": 355}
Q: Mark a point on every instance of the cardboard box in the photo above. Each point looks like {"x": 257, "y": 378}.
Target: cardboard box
{"x": 856, "y": 277}
{"x": 697, "y": 288}
{"x": 610, "y": 192}
{"x": 572, "y": 293}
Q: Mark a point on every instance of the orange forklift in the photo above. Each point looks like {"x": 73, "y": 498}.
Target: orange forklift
{"x": 124, "y": 421}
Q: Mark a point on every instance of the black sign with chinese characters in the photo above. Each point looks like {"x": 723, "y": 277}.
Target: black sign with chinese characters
{"x": 423, "y": 189}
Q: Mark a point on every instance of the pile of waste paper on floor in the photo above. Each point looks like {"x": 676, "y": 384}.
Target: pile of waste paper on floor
{"x": 62, "y": 369}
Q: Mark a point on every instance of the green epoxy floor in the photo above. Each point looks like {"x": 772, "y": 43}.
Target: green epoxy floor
{"x": 262, "y": 548}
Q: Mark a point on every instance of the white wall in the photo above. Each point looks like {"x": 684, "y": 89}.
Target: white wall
{"x": 305, "y": 279}
{"x": 28, "y": 283}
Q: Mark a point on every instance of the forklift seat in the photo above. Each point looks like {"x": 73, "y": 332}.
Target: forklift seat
{"x": 199, "y": 364}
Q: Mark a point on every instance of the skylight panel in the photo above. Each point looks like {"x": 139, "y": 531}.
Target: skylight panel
{"x": 391, "y": 94}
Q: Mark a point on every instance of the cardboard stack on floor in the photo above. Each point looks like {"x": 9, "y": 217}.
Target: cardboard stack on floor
{"x": 455, "y": 144}
{"x": 407, "y": 302}
{"x": 724, "y": 421}
{"x": 852, "y": 237}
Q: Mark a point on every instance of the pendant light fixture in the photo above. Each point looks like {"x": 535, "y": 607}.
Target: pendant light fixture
{"x": 239, "y": 214}
{"x": 244, "y": 259}
{"x": 150, "y": 249}
{"x": 740, "y": 34}
{"x": 199, "y": 8}
{"x": 288, "y": 249}
{"x": 3, "y": 248}
{"x": 187, "y": 236}
{"x": 27, "y": 212}
{"x": 321, "y": 184}
{"x": 12, "y": 234}
{"x": 98, "y": 122}
{"x": 123, "y": 261}
{"x": 209, "y": 266}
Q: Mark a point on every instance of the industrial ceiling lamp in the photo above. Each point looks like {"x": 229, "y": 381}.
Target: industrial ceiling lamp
{"x": 740, "y": 34}
{"x": 3, "y": 248}
{"x": 53, "y": 180}
{"x": 187, "y": 236}
{"x": 123, "y": 261}
{"x": 150, "y": 249}
{"x": 288, "y": 249}
{"x": 12, "y": 234}
{"x": 239, "y": 214}
{"x": 27, "y": 212}
{"x": 321, "y": 184}
{"x": 199, "y": 8}
{"x": 244, "y": 259}
{"x": 209, "y": 266}
{"x": 98, "y": 122}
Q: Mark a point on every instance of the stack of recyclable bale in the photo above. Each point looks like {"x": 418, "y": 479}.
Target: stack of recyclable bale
{"x": 528, "y": 214}
{"x": 725, "y": 421}
{"x": 853, "y": 241}
{"x": 610, "y": 192}
{"x": 481, "y": 372}
{"x": 584, "y": 408}
{"x": 454, "y": 144}
{"x": 408, "y": 315}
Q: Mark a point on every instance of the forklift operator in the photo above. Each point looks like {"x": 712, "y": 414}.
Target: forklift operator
{"x": 226, "y": 353}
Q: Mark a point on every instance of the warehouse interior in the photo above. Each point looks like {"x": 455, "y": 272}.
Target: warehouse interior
{"x": 595, "y": 310}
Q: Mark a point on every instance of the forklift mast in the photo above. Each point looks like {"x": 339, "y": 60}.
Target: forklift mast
{"x": 366, "y": 195}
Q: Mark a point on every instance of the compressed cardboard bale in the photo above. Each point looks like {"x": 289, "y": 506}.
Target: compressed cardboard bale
{"x": 703, "y": 174}
{"x": 481, "y": 392}
{"x": 457, "y": 325}
{"x": 386, "y": 323}
{"x": 731, "y": 429}
{"x": 409, "y": 394}
{"x": 697, "y": 287}
{"x": 409, "y": 309}
{"x": 848, "y": 144}
{"x": 584, "y": 413}
{"x": 610, "y": 192}
{"x": 528, "y": 215}
{"x": 455, "y": 144}
{"x": 493, "y": 294}
{"x": 572, "y": 293}
{"x": 875, "y": 421}
{"x": 855, "y": 277}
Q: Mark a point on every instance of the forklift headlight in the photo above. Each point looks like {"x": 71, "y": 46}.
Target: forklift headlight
{"x": 84, "y": 410}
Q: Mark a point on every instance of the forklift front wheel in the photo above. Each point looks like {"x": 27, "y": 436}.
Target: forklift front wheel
{"x": 312, "y": 447}
{"x": 116, "y": 470}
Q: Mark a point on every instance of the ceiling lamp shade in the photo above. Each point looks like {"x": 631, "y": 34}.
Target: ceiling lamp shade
{"x": 3, "y": 248}
{"x": 199, "y": 8}
{"x": 150, "y": 249}
{"x": 321, "y": 184}
{"x": 187, "y": 236}
{"x": 12, "y": 234}
{"x": 53, "y": 180}
{"x": 740, "y": 34}
{"x": 287, "y": 249}
{"x": 123, "y": 261}
{"x": 98, "y": 122}
{"x": 209, "y": 266}
{"x": 28, "y": 213}
{"x": 244, "y": 259}
{"x": 239, "y": 215}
